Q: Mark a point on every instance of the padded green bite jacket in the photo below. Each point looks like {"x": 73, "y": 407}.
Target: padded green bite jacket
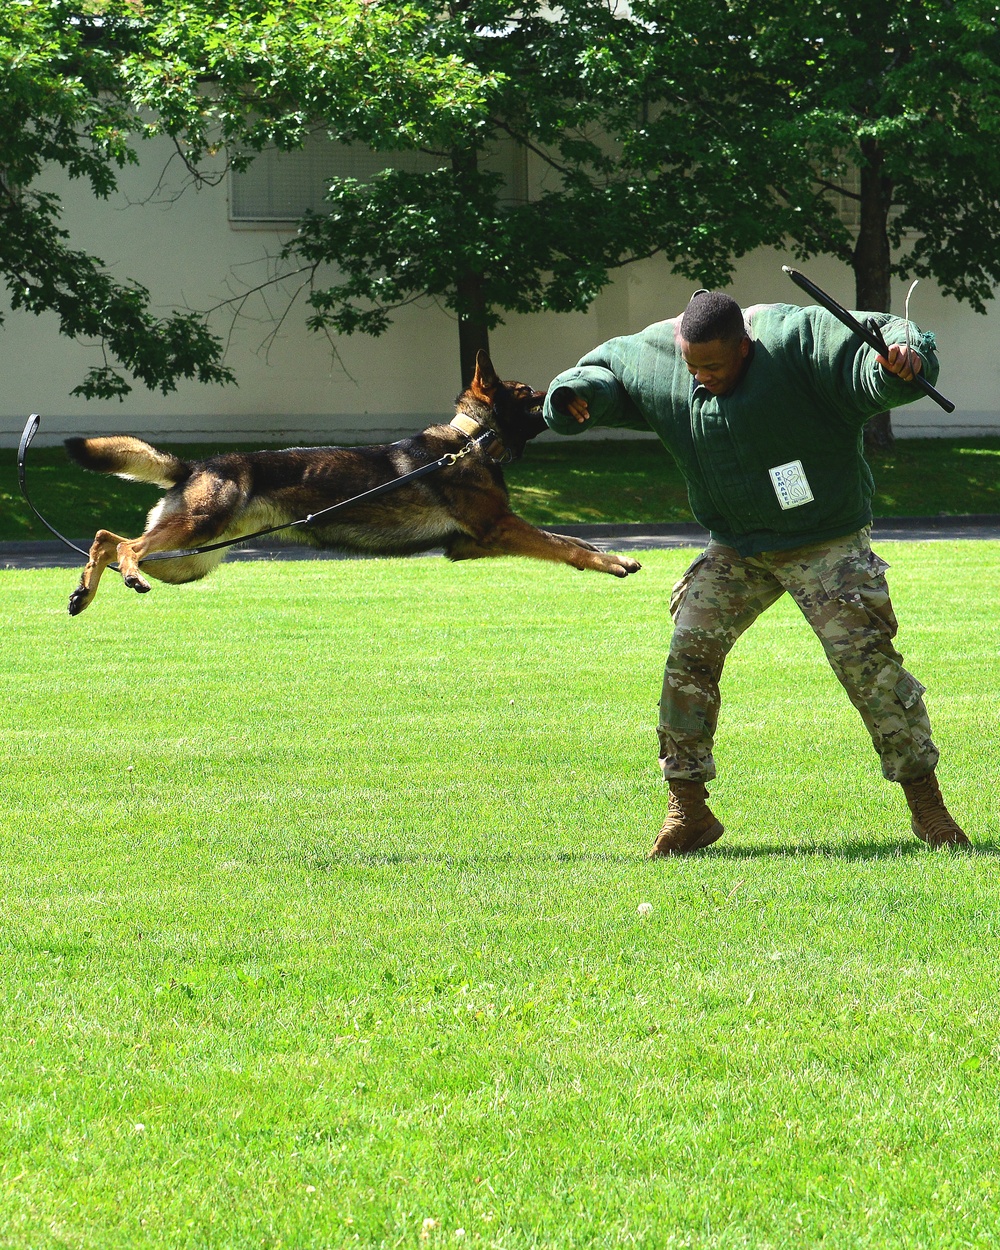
{"x": 777, "y": 462}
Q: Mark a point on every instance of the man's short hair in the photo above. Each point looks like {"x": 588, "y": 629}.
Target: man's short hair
{"x": 712, "y": 315}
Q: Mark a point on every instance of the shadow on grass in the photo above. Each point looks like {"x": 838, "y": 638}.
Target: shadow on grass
{"x": 854, "y": 850}
{"x": 392, "y": 859}
{"x": 857, "y": 851}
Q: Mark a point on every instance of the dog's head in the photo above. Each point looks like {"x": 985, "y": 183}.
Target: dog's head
{"x": 512, "y": 409}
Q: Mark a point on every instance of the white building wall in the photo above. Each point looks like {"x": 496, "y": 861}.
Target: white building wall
{"x": 293, "y": 386}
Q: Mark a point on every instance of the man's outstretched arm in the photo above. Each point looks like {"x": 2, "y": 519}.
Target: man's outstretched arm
{"x": 589, "y": 395}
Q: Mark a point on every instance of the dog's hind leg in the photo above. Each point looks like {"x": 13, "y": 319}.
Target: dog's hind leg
{"x": 173, "y": 524}
{"x": 103, "y": 550}
{"x": 170, "y": 530}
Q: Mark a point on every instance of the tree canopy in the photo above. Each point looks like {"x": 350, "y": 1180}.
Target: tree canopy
{"x": 690, "y": 129}
{"x": 905, "y": 93}
{"x": 893, "y": 107}
{"x": 59, "y": 105}
{"x": 81, "y": 85}
{"x": 693, "y": 130}
{"x": 612, "y": 117}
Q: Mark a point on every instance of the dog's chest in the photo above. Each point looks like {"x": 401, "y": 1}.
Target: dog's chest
{"x": 387, "y": 530}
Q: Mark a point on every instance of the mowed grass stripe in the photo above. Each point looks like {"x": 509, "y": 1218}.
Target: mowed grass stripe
{"x": 320, "y": 928}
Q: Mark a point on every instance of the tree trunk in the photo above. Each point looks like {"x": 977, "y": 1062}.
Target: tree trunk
{"x": 473, "y": 331}
{"x": 470, "y": 286}
{"x": 873, "y": 264}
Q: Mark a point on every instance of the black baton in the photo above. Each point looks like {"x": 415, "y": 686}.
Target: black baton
{"x": 870, "y": 332}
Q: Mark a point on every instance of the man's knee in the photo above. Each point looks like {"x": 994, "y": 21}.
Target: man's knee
{"x": 697, "y": 653}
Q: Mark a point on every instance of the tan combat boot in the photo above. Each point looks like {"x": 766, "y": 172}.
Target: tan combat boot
{"x": 932, "y": 822}
{"x": 690, "y": 824}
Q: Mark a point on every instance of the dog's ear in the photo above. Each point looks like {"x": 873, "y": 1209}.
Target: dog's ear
{"x": 484, "y": 380}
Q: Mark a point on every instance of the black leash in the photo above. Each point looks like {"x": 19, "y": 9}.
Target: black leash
{"x": 31, "y": 428}
{"x": 27, "y": 434}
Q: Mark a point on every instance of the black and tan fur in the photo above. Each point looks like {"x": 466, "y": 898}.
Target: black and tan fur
{"x": 463, "y": 507}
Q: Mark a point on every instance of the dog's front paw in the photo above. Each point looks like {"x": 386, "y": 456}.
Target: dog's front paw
{"x": 135, "y": 581}
{"x": 621, "y": 566}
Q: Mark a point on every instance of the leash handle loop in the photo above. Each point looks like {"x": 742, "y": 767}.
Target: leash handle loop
{"x": 27, "y": 434}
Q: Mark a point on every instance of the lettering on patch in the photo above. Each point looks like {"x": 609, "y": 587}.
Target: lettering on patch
{"x": 791, "y": 484}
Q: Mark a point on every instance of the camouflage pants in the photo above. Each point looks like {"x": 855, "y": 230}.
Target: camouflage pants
{"x": 841, "y": 589}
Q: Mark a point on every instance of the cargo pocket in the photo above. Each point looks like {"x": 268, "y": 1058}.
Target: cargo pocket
{"x": 897, "y": 720}
{"x": 859, "y": 583}
{"x": 849, "y": 575}
{"x": 901, "y": 699}
{"x": 679, "y": 593}
{"x": 909, "y": 691}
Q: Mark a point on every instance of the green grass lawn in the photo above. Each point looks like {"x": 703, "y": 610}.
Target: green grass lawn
{"x": 320, "y": 929}
{"x": 566, "y": 480}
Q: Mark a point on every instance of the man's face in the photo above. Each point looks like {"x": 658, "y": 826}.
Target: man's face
{"x": 716, "y": 365}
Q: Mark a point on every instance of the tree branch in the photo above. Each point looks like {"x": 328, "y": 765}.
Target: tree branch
{"x": 832, "y": 186}
{"x": 531, "y": 147}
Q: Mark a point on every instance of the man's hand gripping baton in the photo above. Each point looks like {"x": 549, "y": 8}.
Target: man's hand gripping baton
{"x": 870, "y": 332}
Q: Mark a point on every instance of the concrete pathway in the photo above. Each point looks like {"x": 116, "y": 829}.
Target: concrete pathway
{"x": 885, "y": 529}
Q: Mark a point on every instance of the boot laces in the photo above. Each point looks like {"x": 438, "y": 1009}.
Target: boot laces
{"x": 928, "y": 809}
{"x": 689, "y": 802}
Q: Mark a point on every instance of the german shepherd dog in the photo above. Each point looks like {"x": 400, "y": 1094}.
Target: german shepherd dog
{"x": 462, "y": 507}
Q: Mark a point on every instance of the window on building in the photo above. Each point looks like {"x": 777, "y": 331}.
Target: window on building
{"x": 280, "y": 187}
{"x": 849, "y": 206}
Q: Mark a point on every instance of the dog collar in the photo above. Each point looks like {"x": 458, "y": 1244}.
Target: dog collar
{"x": 467, "y": 425}
{"x": 471, "y": 429}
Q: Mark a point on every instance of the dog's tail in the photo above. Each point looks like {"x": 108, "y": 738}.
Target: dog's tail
{"x": 128, "y": 457}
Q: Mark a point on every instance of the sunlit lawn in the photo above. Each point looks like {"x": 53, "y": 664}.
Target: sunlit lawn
{"x": 320, "y": 928}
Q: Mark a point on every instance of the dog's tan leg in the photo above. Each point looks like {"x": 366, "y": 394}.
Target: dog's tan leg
{"x": 102, "y": 553}
{"x": 577, "y": 542}
{"x": 105, "y": 549}
{"x": 512, "y": 536}
{"x": 130, "y": 551}
{"x": 174, "y": 530}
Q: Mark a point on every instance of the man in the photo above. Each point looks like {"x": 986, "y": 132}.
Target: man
{"x": 763, "y": 411}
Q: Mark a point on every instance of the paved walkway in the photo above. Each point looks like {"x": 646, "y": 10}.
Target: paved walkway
{"x": 53, "y": 555}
